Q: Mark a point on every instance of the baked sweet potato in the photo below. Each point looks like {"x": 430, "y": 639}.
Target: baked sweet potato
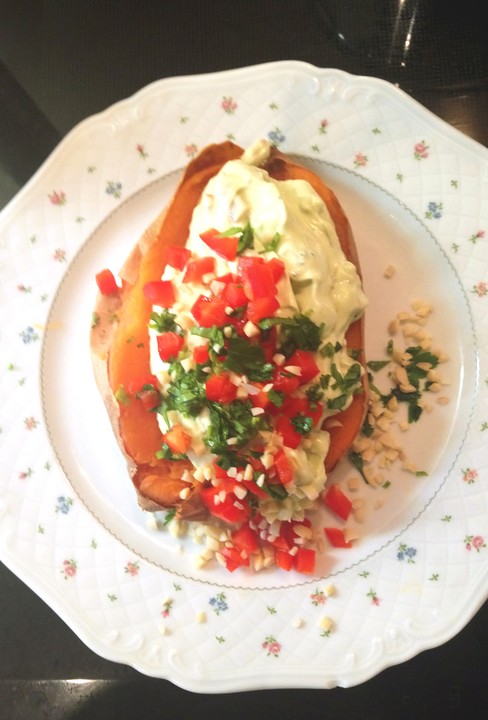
{"x": 120, "y": 347}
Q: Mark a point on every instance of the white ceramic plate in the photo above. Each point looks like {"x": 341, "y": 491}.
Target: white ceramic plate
{"x": 413, "y": 189}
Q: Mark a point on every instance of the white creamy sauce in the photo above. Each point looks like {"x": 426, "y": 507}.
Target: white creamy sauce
{"x": 322, "y": 283}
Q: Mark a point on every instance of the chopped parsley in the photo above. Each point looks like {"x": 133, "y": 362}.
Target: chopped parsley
{"x": 234, "y": 420}
{"x": 164, "y": 322}
{"x": 247, "y": 359}
{"x": 297, "y": 333}
{"x": 303, "y": 424}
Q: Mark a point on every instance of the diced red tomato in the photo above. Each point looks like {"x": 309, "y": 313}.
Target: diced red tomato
{"x": 234, "y": 558}
{"x": 225, "y": 246}
{"x": 200, "y": 354}
{"x": 219, "y": 388}
{"x": 222, "y": 502}
{"x": 245, "y": 539}
{"x": 338, "y": 502}
{"x": 284, "y": 468}
{"x": 234, "y": 295}
{"x": 106, "y": 282}
{"x": 305, "y": 360}
{"x": 160, "y": 292}
{"x": 336, "y": 537}
{"x": 169, "y": 345}
{"x": 209, "y": 311}
{"x": 197, "y": 268}
{"x": 304, "y": 561}
{"x": 177, "y": 439}
{"x": 284, "y": 427}
{"x": 177, "y": 256}
{"x": 262, "y": 307}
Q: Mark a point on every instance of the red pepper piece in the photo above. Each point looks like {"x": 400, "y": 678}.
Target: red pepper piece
{"x": 262, "y": 307}
{"x": 209, "y": 311}
{"x": 304, "y": 561}
{"x": 169, "y": 345}
{"x": 160, "y": 292}
{"x": 106, "y": 282}
{"x": 284, "y": 468}
{"x": 200, "y": 354}
{"x": 284, "y": 427}
{"x": 219, "y": 388}
{"x": 177, "y": 256}
{"x": 338, "y": 502}
{"x": 197, "y": 268}
{"x": 336, "y": 537}
{"x": 225, "y": 246}
{"x": 305, "y": 360}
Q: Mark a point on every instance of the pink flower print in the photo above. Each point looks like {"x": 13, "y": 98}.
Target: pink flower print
{"x": 478, "y": 542}
{"x": 272, "y": 646}
{"x": 474, "y": 542}
{"x": 477, "y": 236}
{"x": 167, "y": 605}
{"x": 57, "y": 198}
{"x": 27, "y": 289}
{"x": 360, "y": 160}
{"x": 69, "y": 568}
{"x": 140, "y": 149}
{"x": 191, "y": 150}
{"x": 323, "y": 125}
{"x": 374, "y": 597}
{"x": 318, "y": 598}
{"x": 25, "y": 473}
{"x": 469, "y": 475}
{"x": 59, "y": 255}
{"x": 30, "y": 423}
{"x": 421, "y": 151}
{"x": 480, "y": 289}
{"x": 229, "y": 105}
{"x": 132, "y": 568}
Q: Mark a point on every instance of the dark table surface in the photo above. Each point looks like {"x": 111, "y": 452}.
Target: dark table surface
{"x": 60, "y": 62}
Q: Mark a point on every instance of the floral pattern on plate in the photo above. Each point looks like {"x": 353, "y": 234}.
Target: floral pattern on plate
{"x": 411, "y": 594}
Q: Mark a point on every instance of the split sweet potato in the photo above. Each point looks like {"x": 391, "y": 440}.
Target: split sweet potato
{"x": 119, "y": 339}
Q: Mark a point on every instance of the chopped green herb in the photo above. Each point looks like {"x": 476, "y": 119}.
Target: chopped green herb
{"x": 166, "y": 454}
{"x": 314, "y": 393}
{"x": 377, "y": 365}
{"x": 272, "y": 245}
{"x": 358, "y": 463}
{"x": 163, "y": 322}
{"x": 169, "y": 516}
{"x": 247, "y": 359}
{"x": 234, "y": 420}
{"x": 122, "y": 396}
{"x": 297, "y": 333}
{"x": 329, "y": 349}
{"x": 276, "y": 397}
{"x": 303, "y": 424}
